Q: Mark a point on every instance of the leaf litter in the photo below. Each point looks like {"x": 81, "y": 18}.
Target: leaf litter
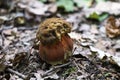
{"x": 95, "y": 56}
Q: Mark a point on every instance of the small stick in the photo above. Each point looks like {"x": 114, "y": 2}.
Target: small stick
{"x": 54, "y": 68}
{"x": 17, "y": 73}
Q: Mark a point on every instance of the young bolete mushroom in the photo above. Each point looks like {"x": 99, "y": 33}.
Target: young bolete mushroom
{"x": 55, "y": 44}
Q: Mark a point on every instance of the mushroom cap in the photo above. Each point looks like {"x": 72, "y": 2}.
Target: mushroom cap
{"x": 52, "y": 29}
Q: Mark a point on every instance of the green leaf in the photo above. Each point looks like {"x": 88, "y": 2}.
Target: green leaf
{"x": 68, "y": 5}
{"x": 103, "y": 16}
{"x": 98, "y": 1}
{"x": 43, "y": 0}
{"x": 83, "y": 3}
{"x": 95, "y": 16}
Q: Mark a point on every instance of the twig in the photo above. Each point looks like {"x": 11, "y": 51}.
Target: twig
{"x": 17, "y": 73}
{"x": 74, "y": 62}
{"x": 28, "y": 28}
{"x": 3, "y": 37}
{"x": 54, "y": 68}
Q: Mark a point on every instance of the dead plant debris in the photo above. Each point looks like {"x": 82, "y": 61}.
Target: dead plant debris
{"x": 95, "y": 55}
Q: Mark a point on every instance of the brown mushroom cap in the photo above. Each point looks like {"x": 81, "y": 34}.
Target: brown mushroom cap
{"x": 51, "y": 30}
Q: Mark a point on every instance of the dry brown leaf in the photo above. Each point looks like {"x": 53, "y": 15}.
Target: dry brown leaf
{"x": 112, "y": 27}
{"x": 34, "y": 6}
{"x": 107, "y": 7}
{"x": 7, "y": 42}
{"x": 101, "y": 54}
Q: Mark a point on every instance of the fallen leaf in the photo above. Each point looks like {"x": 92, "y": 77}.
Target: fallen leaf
{"x": 107, "y": 7}
{"x": 34, "y": 6}
{"x": 75, "y": 35}
{"x": 83, "y": 3}
{"x": 11, "y": 32}
{"x": 112, "y": 27}
{"x": 96, "y": 16}
{"x": 38, "y": 76}
{"x": 52, "y": 8}
{"x": 101, "y": 55}
{"x": 62, "y": 4}
{"x": 84, "y": 27}
{"x": 7, "y": 42}
{"x": 102, "y": 29}
{"x": 2, "y": 67}
{"x": 94, "y": 29}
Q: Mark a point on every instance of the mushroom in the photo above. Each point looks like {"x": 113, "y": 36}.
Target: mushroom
{"x": 55, "y": 45}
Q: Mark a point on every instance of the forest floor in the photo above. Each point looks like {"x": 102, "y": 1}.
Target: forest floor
{"x": 95, "y": 55}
